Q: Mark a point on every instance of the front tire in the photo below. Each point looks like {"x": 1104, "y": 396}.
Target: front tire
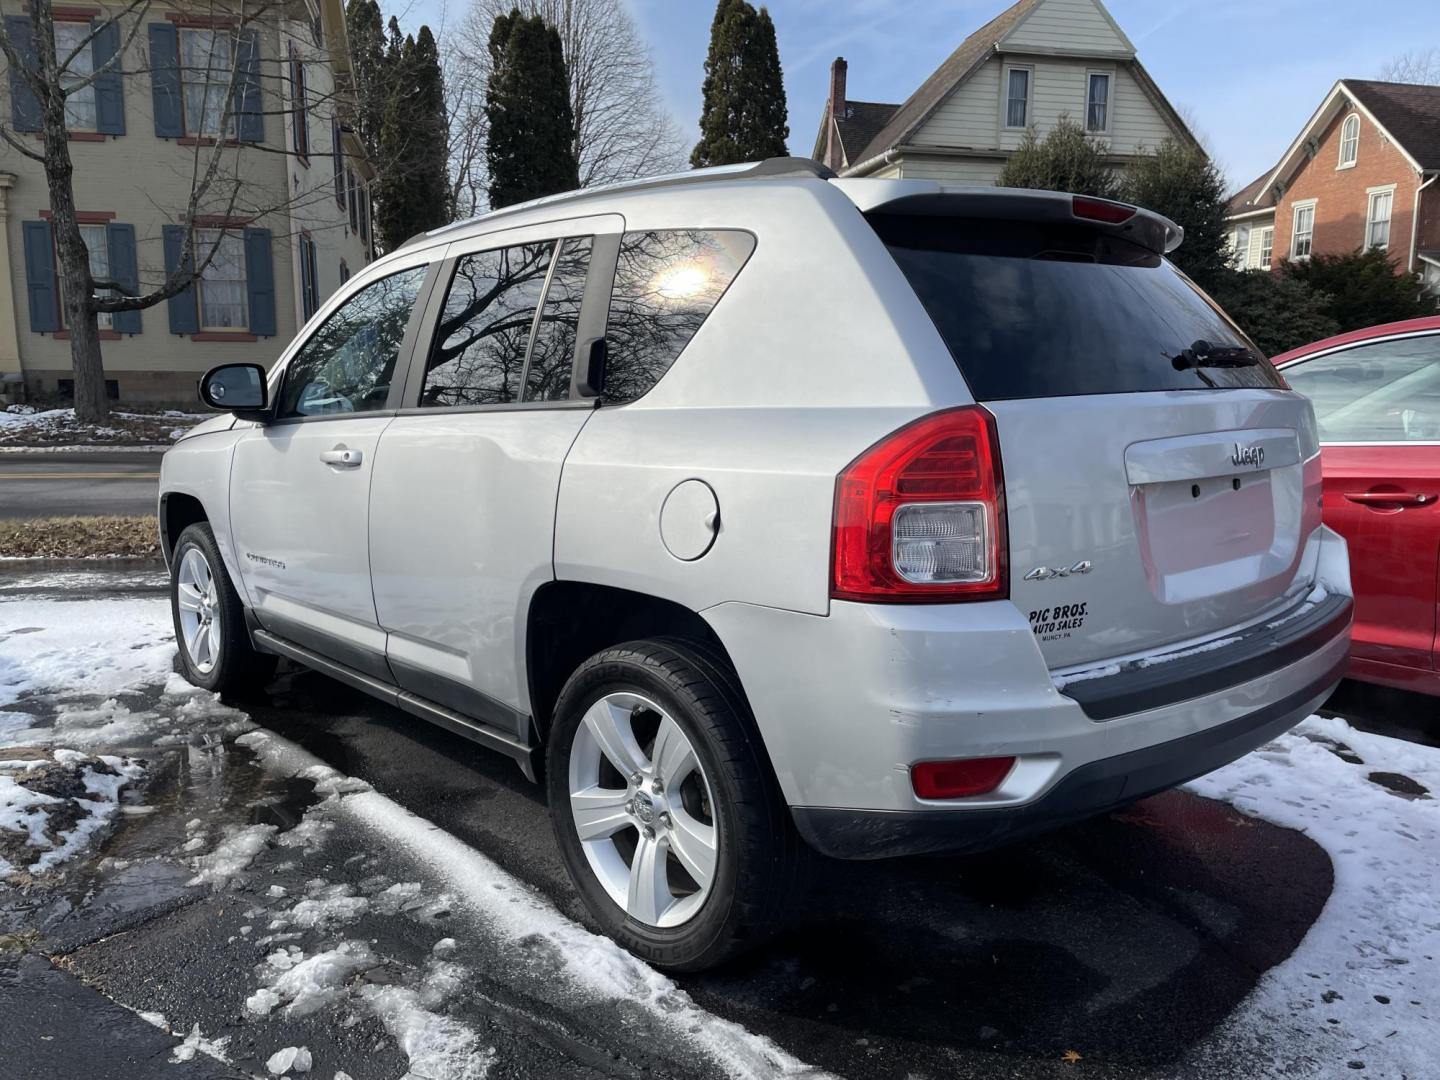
{"x": 215, "y": 649}
{"x": 667, "y": 816}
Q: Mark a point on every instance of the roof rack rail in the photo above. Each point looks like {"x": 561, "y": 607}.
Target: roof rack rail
{"x": 749, "y": 170}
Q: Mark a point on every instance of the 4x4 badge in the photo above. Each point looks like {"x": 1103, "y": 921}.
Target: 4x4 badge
{"x": 1045, "y": 573}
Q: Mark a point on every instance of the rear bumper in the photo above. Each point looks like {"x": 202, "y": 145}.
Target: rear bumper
{"x": 1091, "y": 789}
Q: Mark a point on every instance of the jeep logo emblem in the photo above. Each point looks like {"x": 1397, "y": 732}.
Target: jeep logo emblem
{"x": 1248, "y": 455}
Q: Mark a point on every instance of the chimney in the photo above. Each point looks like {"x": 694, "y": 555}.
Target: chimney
{"x": 837, "y": 87}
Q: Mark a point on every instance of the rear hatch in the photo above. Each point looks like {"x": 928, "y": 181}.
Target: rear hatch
{"x": 1157, "y": 471}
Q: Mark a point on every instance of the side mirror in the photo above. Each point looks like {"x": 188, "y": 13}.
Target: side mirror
{"x": 593, "y": 354}
{"x": 237, "y": 388}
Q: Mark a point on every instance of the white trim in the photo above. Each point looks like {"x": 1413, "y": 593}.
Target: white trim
{"x": 1373, "y": 195}
{"x": 1341, "y": 163}
{"x": 1109, "y": 74}
{"x": 1381, "y": 189}
{"x": 1415, "y": 220}
{"x": 1029, "y": 70}
{"x": 1295, "y": 209}
{"x": 1250, "y": 213}
{"x": 1266, "y": 261}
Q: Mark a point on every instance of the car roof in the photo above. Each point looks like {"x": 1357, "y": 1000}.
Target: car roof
{"x": 1368, "y": 333}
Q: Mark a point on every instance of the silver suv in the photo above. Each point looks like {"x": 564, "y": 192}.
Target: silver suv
{"x": 761, "y": 512}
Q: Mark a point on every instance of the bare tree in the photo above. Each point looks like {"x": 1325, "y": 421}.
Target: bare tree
{"x": 1416, "y": 66}
{"x": 219, "y": 168}
{"x": 623, "y": 129}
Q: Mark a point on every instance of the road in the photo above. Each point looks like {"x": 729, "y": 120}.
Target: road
{"x": 63, "y": 484}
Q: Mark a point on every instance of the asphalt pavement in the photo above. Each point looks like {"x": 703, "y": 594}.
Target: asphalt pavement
{"x": 61, "y": 484}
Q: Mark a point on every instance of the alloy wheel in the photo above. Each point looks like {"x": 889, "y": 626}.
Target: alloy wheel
{"x": 196, "y": 595}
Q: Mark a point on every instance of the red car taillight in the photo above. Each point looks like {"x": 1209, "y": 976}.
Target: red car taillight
{"x": 920, "y": 516}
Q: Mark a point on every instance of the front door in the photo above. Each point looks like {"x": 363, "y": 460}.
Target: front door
{"x": 300, "y": 486}
{"x": 462, "y": 517}
{"x": 1378, "y": 410}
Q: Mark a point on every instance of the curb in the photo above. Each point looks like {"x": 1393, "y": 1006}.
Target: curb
{"x": 114, "y": 564}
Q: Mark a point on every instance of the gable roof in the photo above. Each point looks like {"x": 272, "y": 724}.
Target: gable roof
{"x": 856, "y": 129}
{"x": 1409, "y": 112}
{"x": 958, "y": 66}
{"x": 1252, "y": 197}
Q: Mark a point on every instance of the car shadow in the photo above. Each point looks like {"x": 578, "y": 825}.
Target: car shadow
{"x": 1126, "y": 939}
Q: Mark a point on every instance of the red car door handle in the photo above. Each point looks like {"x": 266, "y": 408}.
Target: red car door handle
{"x": 1390, "y": 498}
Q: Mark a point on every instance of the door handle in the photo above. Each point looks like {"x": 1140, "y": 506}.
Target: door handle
{"x": 1389, "y": 498}
{"x": 342, "y": 458}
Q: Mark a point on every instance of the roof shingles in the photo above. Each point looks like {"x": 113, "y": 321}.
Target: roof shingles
{"x": 1408, "y": 111}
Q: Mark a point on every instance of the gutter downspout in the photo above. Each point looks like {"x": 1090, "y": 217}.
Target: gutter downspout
{"x": 1415, "y": 221}
{"x": 869, "y": 165}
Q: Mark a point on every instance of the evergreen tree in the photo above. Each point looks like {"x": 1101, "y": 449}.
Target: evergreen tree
{"x": 1180, "y": 181}
{"x": 531, "y": 148}
{"x": 1363, "y": 288}
{"x": 412, "y": 191}
{"x": 1277, "y": 311}
{"x": 369, "y": 70}
{"x": 744, "y": 114}
{"x": 1065, "y": 160}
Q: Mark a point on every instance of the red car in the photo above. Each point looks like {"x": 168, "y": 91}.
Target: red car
{"x": 1377, "y": 402}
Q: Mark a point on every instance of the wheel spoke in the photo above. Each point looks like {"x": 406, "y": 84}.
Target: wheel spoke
{"x": 693, "y": 843}
{"x": 200, "y": 654}
{"x": 610, "y": 726}
{"x": 599, "y": 812}
{"x": 649, "y": 894}
{"x": 673, "y": 756}
{"x": 192, "y": 638}
{"x": 214, "y": 641}
{"x": 188, "y": 597}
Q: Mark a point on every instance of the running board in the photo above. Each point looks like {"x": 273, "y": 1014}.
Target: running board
{"x": 524, "y": 755}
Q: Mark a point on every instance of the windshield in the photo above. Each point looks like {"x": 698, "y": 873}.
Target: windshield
{"x": 1032, "y": 309}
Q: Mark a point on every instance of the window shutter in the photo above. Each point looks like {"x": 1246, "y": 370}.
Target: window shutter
{"x": 250, "y": 116}
{"x": 24, "y": 105}
{"x": 337, "y": 152}
{"x": 184, "y": 316}
{"x": 40, "y": 284}
{"x": 260, "y": 282}
{"x": 165, "y": 80}
{"x": 123, "y": 268}
{"x": 109, "y": 86}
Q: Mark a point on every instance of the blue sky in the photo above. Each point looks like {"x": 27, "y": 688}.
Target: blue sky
{"x": 1250, "y": 71}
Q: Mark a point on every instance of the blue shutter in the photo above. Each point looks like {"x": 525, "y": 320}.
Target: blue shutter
{"x": 260, "y": 282}
{"x": 250, "y": 114}
{"x": 109, "y": 86}
{"x": 165, "y": 80}
{"x": 24, "y": 105}
{"x": 123, "y": 268}
{"x": 184, "y": 318}
{"x": 40, "y": 284}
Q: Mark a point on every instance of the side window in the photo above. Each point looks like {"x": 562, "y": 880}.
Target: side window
{"x": 1386, "y": 392}
{"x": 553, "y": 354}
{"x": 666, "y": 283}
{"x": 479, "y": 352}
{"x": 347, "y": 364}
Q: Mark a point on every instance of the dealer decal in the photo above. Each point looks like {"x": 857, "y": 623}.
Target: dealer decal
{"x": 1054, "y": 623}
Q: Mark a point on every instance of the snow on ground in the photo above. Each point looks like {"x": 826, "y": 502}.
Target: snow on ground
{"x": 51, "y": 806}
{"x": 21, "y": 425}
{"x": 1372, "y": 959}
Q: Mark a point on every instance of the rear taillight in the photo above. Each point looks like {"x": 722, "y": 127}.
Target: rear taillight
{"x": 920, "y": 516}
{"x": 959, "y": 779}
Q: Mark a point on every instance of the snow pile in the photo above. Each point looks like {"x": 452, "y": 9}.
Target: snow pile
{"x": 232, "y": 855}
{"x": 52, "y": 805}
{"x": 307, "y": 985}
{"x": 25, "y": 426}
{"x": 296, "y": 1058}
{"x": 195, "y": 1043}
{"x": 1370, "y": 960}
{"x": 437, "y": 1046}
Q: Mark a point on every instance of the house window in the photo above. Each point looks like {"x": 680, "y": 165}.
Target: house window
{"x": 97, "y": 243}
{"x": 1377, "y": 227}
{"x": 309, "y": 277}
{"x": 222, "y": 283}
{"x": 344, "y": 272}
{"x": 1097, "y": 102}
{"x": 1267, "y": 246}
{"x": 1349, "y": 141}
{"x": 206, "y": 70}
{"x": 1017, "y": 97}
{"x": 1303, "y": 235}
{"x": 299, "y": 114}
{"x": 80, "y": 102}
{"x": 1240, "y": 247}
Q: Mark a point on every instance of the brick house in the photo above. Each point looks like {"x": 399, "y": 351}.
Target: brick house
{"x": 298, "y": 225}
{"x": 1036, "y": 61}
{"x": 1362, "y": 173}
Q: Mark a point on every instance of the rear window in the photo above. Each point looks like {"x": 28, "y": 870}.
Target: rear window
{"x": 1032, "y": 309}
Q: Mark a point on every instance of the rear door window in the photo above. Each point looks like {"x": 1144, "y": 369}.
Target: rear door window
{"x": 1031, "y": 310}
{"x": 553, "y": 353}
{"x": 666, "y": 283}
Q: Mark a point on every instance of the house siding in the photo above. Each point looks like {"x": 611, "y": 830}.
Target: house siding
{"x": 144, "y": 180}
{"x": 952, "y": 170}
{"x": 1342, "y": 195}
{"x": 1249, "y": 233}
{"x": 1069, "y": 25}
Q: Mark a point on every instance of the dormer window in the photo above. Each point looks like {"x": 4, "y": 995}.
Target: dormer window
{"x": 1349, "y": 141}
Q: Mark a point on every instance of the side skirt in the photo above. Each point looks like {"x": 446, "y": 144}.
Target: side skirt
{"x": 525, "y": 754}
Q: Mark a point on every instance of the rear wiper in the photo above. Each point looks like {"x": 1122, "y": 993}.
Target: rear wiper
{"x": 1202, "y": 355}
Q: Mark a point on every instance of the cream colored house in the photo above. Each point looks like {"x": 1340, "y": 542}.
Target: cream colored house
{"x": 1033, "y": 63}
{"x": 290, "y": 219}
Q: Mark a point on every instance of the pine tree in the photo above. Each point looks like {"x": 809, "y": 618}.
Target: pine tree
{"x": 412, "y": 191}
{"x": 744, "y": 114}
{"x": 531, "y": 147}
{"x": 1066, "y": 159}
{"x": 1180, "y": 181}
{"x": 370, "y": 72}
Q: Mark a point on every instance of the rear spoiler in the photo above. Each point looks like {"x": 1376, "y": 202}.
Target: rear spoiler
{"x": 926, "y": 198}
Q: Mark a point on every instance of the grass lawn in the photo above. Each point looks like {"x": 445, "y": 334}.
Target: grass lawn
{"x": 79, "y": 537}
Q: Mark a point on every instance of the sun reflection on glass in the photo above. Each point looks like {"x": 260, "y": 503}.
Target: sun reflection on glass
{"x": 681, "y": 282}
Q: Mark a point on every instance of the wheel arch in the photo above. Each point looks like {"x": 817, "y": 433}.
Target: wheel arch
{"x": 178, "y": 511}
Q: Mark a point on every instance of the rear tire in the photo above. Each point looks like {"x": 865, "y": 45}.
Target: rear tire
{"x": 215, "y": 649}
{"x": 670, "y": 705}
